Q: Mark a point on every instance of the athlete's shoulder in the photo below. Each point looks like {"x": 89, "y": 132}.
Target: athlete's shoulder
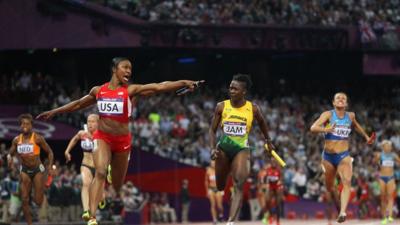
{"x": 81, "y": 133}
{"x": 16, "y": 139}
{"x": 327, "y": 113}
{"x": 95, "y": 90}
{"x": 222, "y": 104}
{"x": 352, "y": 115}
{"x": 38, "y": 138}
{"x": 254, "y": 106}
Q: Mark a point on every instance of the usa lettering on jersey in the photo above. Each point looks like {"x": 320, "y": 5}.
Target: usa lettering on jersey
{"x": 25, "y": 149}
{"x": 111, "y": 106}
{"x": 235, "y": 128}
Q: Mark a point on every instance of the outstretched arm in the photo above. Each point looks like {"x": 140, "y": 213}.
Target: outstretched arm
{"x": 45, "y": 147}
{"x": 71, "y": 145}
{"x": 81, "y": 103}
{"x": 263, "y": 125}
{"x": 359, "y": 129}
{"x": 166, "y": 86}
{"x": 213, "y": 128}
{"x": 318, "y": 127}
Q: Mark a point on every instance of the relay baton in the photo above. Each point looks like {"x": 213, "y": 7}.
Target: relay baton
{"x": 372, "y": 139}
{"x": 276, "y": 156}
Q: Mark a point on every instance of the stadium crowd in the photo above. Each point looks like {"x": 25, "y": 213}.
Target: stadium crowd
{"x": 286, "y": 12}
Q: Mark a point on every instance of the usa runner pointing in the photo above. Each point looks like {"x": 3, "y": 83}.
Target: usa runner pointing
{"x": 112, "y": 140}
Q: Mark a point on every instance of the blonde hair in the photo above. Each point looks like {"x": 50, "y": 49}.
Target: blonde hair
{"x": 384, "y": 142}
{"x": 96, "y": 117}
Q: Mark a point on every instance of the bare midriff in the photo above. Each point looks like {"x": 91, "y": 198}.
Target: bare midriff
{"x": 113, "y": 127}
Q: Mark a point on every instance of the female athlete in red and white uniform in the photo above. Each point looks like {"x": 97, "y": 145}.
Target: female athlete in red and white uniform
{"x": 112, "y": 140}
{"x": 87, "y": 166}
{"x": 274, "y": 191}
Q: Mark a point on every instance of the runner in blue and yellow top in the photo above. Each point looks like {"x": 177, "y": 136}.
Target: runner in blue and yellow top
{"x": 232, "y": 152}
{"x": 337, "y": 124}
{"x": 387, "y": 160}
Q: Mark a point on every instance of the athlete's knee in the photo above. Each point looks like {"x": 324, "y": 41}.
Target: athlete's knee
{"x": 39, "y": 200}
{"x": 86, "y": 183}
{"x": 238, "y": 183}
{"x": 101, "y": 174}
{"x": 346, "y": 181}
{"x": 331, "y": 189}
{"x": 25, "y": 200}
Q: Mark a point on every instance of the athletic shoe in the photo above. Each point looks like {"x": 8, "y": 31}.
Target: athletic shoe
{"x": 341, "y": 218}
{"x": 109, "y": 177}
{"x": 220, "y": 217}
{"x": 266, "y": 218}
{"x": 384, "y": 221}
{"x": 86, "y": 215}
{"x": 92, "y": 221}
{"x": 102, "y": 204}
{"x": 390, "y": 219}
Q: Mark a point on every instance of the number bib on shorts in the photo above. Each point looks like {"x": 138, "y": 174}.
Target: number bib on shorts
{"x": 235, "y": 128}
{"x": 25, "y": 149}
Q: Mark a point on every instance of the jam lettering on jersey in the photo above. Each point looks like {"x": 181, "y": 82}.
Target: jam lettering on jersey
{"x": 235, "y": 128}
{"x": 25, "y": 148}
{"x": 342, "y": 131}
{"x": 114, "y": 106}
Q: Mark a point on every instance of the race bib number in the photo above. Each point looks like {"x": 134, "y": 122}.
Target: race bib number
{"x": 235, "y": 128}
{"x": 343, "y": 132}
{"x": 212, "y": 177}
{"x": 273, "y": 178}
{"x": 388, "y": 163}
{"x": 113, "y": 106}
{"x": 41, "y": 168}
{"x": 87, "y": 144}
{"x": 25, "y": 149}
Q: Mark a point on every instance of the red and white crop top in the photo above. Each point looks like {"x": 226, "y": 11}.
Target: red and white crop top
{"x": 114, "y": 104}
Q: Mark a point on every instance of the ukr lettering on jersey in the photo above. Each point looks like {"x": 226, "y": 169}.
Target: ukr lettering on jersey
{"x": 342, "y": 131}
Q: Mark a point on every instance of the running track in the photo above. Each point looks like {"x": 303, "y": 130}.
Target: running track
{"x": 283, "y": 222}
